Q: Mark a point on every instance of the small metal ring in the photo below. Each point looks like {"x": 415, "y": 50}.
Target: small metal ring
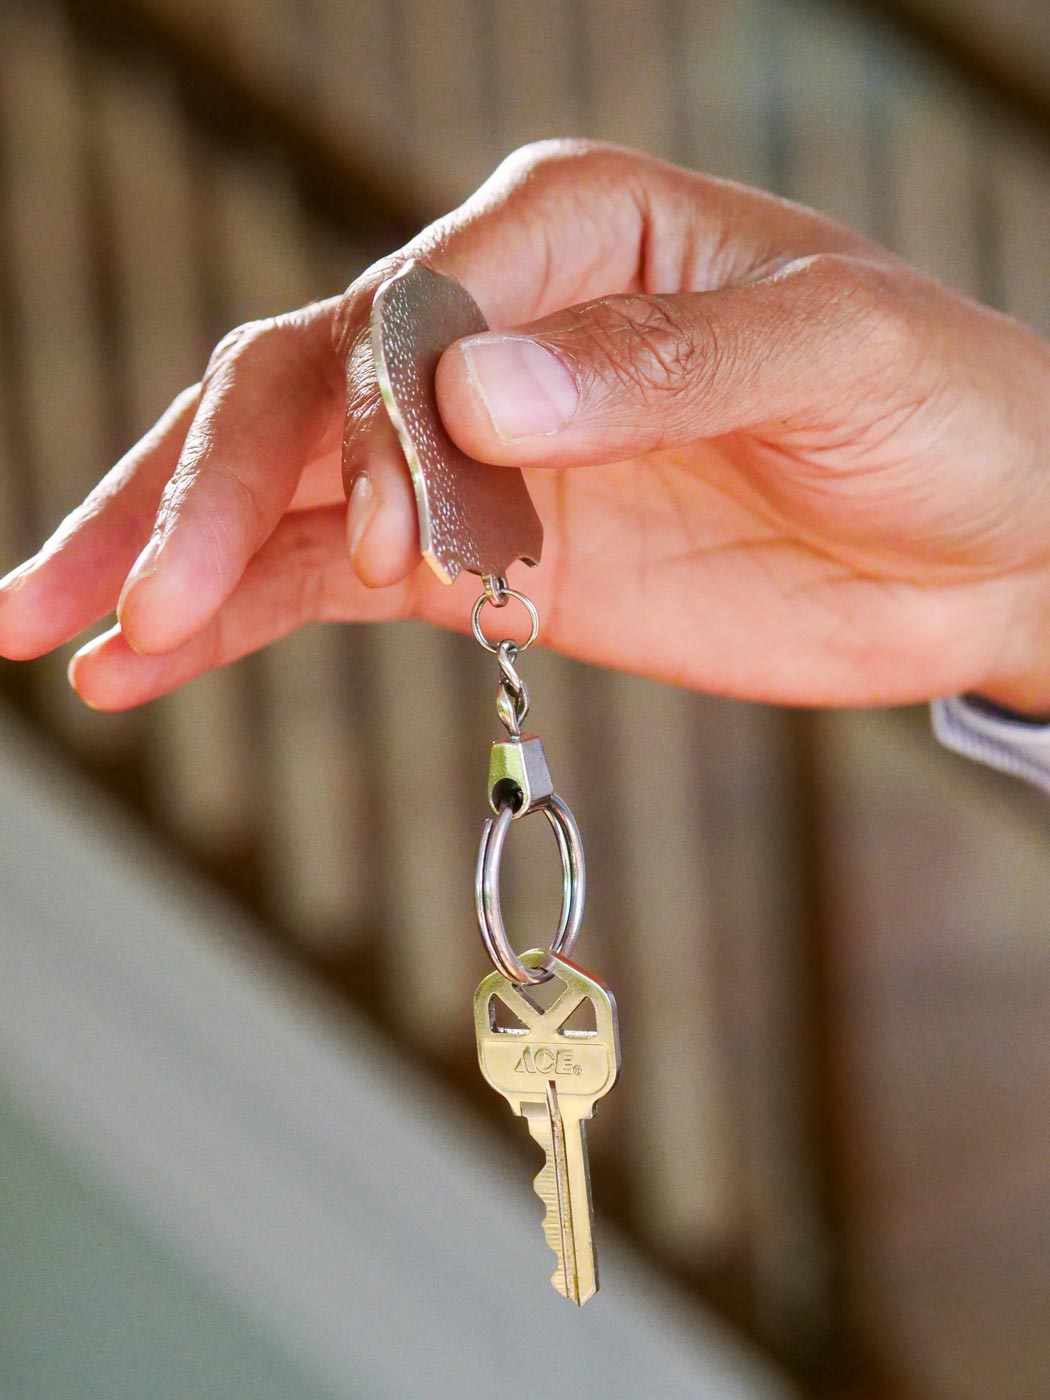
{"x": 475, "y": 619}
{"x": 496, "y": 587}
{"x": 487, "y": 897}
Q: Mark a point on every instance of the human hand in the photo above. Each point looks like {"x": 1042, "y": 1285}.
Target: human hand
{"x": 771, "y": 459}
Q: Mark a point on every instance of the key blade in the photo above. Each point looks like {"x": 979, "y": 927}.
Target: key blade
{"x": 563, "y": 1185}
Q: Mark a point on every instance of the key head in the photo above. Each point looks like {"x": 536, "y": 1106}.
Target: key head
{"x": 471, "y": 516}
{"x": 522, "y": 1059}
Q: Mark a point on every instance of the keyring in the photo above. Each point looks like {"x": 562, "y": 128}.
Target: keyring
{"x": 487, "y": 896}
{"x": 504, "y": 594}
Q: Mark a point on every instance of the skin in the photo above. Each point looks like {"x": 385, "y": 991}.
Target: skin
{"x": 797, "y": 470}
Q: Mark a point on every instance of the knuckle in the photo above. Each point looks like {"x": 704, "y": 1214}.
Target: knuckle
{"x": 349, "y": 323}
{"x": 185, "y": 400}
{"x": 648, "y": 346}
{"x": 236, "y": 343}
{"x": 874, "y": 312}
{"x": 890, "y": 362}
{"x": 557, "y": 157}
{"x": 862, "y": 296}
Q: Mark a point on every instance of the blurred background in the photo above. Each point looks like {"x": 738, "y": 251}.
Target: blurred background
{"x": 244, "y": 1147}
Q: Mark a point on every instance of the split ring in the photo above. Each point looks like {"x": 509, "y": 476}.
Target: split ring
{"x": 487, "y": 896}
{"x": 527, "y": 604}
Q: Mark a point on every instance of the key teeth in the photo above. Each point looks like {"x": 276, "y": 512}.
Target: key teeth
{"x": 546, "y": 1187}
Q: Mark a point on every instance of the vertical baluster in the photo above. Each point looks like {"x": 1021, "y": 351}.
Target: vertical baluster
{"x": 533, "y": 73}
{"x": 723, "y": 102}
{"x": 59, "y": 311}
{"x": 16, "y": 535}
{"x": 826, "y": 81}
{"x": 13, "y": 533}
{"x": 204, "y": 19}
{"x": 321, "y": 803}
{"x": 626, "y": 54}
{"x": 650, "y": 894}
{"x": 147, "y": 169}
{"x": 269, "y": 41}
{"x": 355, "y": 84}
{"x": 444, "y": 95}
{"x": 146, "y": 164}
{"x": 430, "y": 798}
{"x": 315, "y": 841}
{"x": 1020, "y": 172}
{"x": 930, "y": 158}
{"x": 202, "y": 753}
{"x": 682, "y": 1146}
{"x": 827, "y": 155}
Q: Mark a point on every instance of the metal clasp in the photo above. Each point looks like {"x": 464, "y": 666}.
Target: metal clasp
{"x": 520, "y": 783}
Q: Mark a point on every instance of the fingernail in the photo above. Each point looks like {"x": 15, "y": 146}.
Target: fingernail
{"x": 13, "y": 581}
{"x": 526, "y": 389}
{"x": 74, "y": 666}
{"x": 362, "y": 508}
{"x": 143, "y": 566}
{"x": 71, "y": 669}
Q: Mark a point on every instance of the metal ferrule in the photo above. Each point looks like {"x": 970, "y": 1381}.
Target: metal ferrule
{"x": 519, "y": 777}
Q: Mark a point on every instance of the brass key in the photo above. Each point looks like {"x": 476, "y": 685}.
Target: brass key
{"x": 553, "y": 1076}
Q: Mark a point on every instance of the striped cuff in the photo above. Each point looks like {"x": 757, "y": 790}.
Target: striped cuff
{"x": 1010, "y": 743}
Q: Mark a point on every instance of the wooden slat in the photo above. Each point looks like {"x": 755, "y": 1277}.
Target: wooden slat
{"x": 939, "y": 893}
{"x": 1020, "y": 173}
{"x": 271, "y": 40}
{"x": 198, "y": 763}
{"x": 354, "y": 85}
{"x": 61, "y": 344}
{"x": 203, "y": 753}
{"x": 320, "y": 805}
{"x": 534, "y": 70}
{"x": 625, "y": 53}
{"x": 827, "y": 88}
{"x": 723, "y": 123}
{"x": 317, "y": 863}
{"x": 1010, "y": 38}
{"x": 749, "y": 815}
{"x": 260, "y": 239}
{"x": 451, "y": 143}
{"x": 681, "y": 1145}
{"x": 431, "y": 801}
{"x": 830, "y": 74}
{"x": 15, "y": 535}
{"x": 151, "y": 206}
{"x": 48, "y": 202}
{"x": 930, "y": 160}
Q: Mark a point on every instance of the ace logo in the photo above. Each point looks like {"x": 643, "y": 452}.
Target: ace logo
{"x": 545, "y": 1060}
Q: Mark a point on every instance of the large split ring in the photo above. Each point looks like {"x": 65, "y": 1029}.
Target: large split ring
{"x": 487, "y": 896}
{"x": 500, "y": 600}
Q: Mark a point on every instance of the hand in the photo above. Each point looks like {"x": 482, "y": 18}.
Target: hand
{"x": 771, "y": 459}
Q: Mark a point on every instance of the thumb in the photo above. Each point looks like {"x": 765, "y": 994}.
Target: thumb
{"x": 625, "y": 375}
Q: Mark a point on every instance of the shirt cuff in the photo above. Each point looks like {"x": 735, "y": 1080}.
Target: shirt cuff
{"x": 1010, "y": 743}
